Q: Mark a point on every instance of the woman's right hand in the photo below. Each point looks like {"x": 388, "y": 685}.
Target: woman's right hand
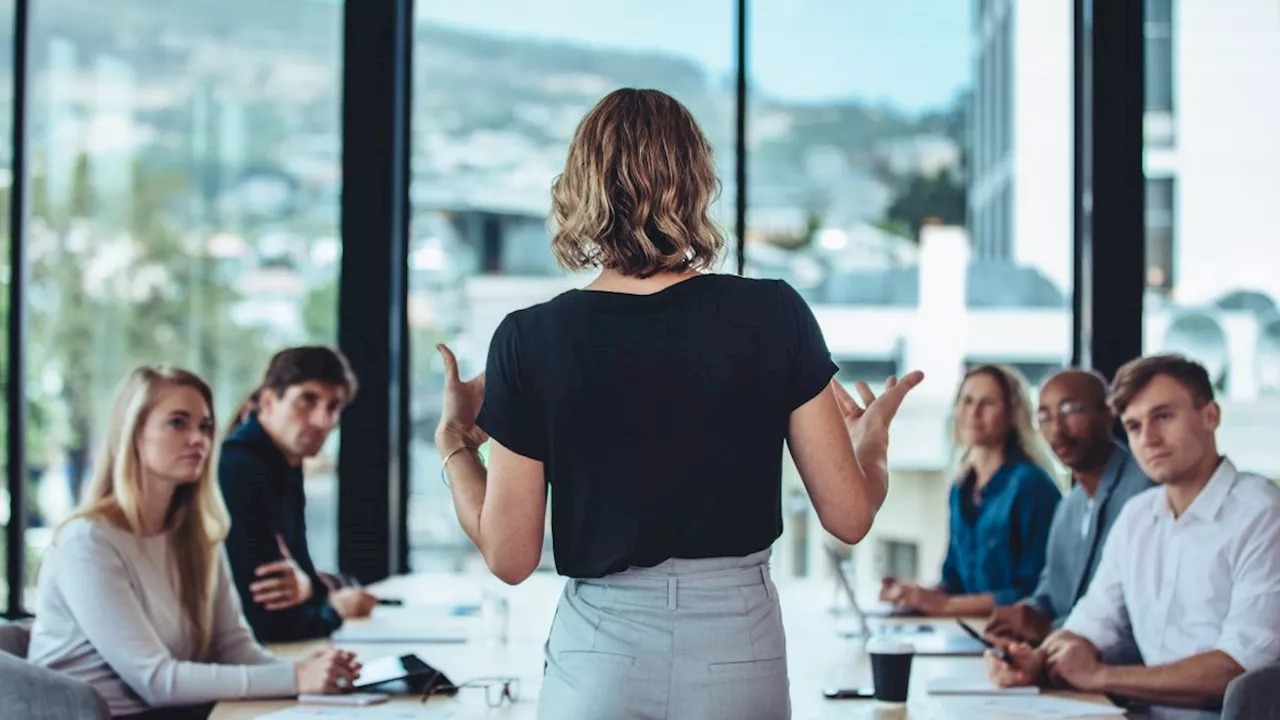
{"x": 459, "y": 408}
{"x": 868, "y": 423}
{"x": 329, "y": 671}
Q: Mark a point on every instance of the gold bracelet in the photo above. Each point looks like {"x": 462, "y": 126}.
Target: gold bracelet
{"x": 443, "y": 465}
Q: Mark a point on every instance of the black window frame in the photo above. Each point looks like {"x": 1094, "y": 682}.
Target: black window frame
{"x": 1108, "y": 265}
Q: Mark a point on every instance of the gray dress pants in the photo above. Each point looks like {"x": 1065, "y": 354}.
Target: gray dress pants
{"x": 683, "y": 640}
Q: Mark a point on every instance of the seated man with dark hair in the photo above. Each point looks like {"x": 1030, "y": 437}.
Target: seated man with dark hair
{"x": 287, "y": 419}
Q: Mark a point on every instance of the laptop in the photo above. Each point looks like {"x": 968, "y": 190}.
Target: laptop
{"x": 926, "y": 639}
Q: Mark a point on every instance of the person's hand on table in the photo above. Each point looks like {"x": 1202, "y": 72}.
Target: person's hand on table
{"x": 328, "y": 671}
{"x": 1074, "y": 662}
{"x": 1020, "y": 622}
{"x": 353, "y": 602}
{"x": 910, "y": 595}
{"x": 1026, "y": 669}
{"x": 889, "y": 589}
{"x": 283, "y": 583}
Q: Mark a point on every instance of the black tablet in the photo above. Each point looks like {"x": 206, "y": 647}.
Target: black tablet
{"x": 410, "y": 669}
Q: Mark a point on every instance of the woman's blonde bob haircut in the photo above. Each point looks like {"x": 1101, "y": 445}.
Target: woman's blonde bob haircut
{"x": 637, "y": 189}
{"x": 197, "y": 520}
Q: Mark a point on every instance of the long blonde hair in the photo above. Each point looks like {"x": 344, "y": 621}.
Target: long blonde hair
{"x": 636, "y": 192}
{"x": 197, "y": 519}
{"x": 1021, "y": 439}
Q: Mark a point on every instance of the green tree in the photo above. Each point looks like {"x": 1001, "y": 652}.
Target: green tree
{"x": 113, "y": 294}
{"x": 320, "y": 313}
{"x": 42, "y": 410}
{"x": 939, "y": 197}
{"x": 924, "y": 198}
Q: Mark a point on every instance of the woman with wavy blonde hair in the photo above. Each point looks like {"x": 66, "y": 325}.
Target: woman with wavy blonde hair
{"x": 655, "y": 403}
{"x": 1002, "y": 503}
{"x": 134, "y": 595}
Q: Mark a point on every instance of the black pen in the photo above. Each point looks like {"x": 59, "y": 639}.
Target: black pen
{"x": 1001, "y": 653}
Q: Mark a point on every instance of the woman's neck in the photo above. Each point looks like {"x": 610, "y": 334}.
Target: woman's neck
{"x": 985, "y": 461}
{"x": 157, "y": 497}
{"x": 614, "y": 281}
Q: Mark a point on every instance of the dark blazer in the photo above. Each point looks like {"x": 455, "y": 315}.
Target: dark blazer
{"x": 265, "y": 496}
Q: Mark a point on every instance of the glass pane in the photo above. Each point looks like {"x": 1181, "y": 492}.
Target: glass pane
{"x": 1216, "y": 177}
{"x": 917, "y": 191}
{"x": 1159, "y": 228}
{"x": 499, "y": 88}
{"x": 6, "y": 190}
{"x": 1158, "y": 66}
{"x": 185, "y": 197}
{"x": 1158, "y": 11}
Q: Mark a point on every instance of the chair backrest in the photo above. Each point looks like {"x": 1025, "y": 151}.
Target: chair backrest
{"x": 37, "y": 693}
{"x": 15, "y": 638}
{"x": 1254, "y": 696}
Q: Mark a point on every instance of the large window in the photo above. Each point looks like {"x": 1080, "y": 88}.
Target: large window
{"x": 184, "y": 179}
{"x": 910, "y": 175}
{"x": 909, "y": 171}
{"x": 1215, "y": 182}
{"x": 499, "y": 87}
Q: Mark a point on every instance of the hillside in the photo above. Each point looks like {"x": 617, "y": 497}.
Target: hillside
{"x": 492, "y": 115}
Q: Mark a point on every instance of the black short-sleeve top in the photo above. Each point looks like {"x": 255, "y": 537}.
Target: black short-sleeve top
{"x": 660, "y": 419}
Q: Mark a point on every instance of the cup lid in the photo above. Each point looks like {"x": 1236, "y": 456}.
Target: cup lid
{"x": 881, "y": 645}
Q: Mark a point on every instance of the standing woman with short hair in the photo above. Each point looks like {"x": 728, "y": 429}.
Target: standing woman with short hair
{"x": 654, "y": 403}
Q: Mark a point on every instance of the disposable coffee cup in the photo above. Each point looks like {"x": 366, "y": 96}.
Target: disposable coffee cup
{"x": 890, "y": 668}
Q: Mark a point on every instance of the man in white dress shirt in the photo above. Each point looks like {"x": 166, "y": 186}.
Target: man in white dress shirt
{"x": 1191, "y": 569}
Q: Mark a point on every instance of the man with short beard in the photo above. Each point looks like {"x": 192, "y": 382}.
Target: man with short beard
{"x": 1075, "y": 421}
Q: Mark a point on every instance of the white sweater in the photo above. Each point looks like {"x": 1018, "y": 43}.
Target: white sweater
{"x": 108, "y": 614}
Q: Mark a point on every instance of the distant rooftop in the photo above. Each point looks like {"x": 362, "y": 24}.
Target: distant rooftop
{"x": 990, "y": 284}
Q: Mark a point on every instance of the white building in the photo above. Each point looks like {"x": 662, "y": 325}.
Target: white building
{"x": 1212, "y": 154}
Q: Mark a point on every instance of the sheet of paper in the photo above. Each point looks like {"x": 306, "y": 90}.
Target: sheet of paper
{"x": 1042, "y": 707}
{"x": 434, "y": 710}
{"x": 976, "y": 685}
{"x": 376, "y": 712}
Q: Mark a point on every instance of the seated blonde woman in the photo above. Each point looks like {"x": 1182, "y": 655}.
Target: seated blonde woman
{"x": 1002, "y": 503}
{"x": 135, "y": 598}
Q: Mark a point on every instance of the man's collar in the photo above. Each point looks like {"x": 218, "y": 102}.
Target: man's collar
{"x": 1110, "y": 474}
{"x": 1207, "y": 504}
{"x": 252, "y": 433}
{"x": 1114, "y": 469}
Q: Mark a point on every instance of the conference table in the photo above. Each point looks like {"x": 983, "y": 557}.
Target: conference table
{"x": 818, "y": 655}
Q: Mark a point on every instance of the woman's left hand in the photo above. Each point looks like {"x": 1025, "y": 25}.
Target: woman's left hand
{"x": 459, "y": 409}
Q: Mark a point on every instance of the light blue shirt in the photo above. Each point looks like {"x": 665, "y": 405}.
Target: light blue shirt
{"x": 1080, "y": 528}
